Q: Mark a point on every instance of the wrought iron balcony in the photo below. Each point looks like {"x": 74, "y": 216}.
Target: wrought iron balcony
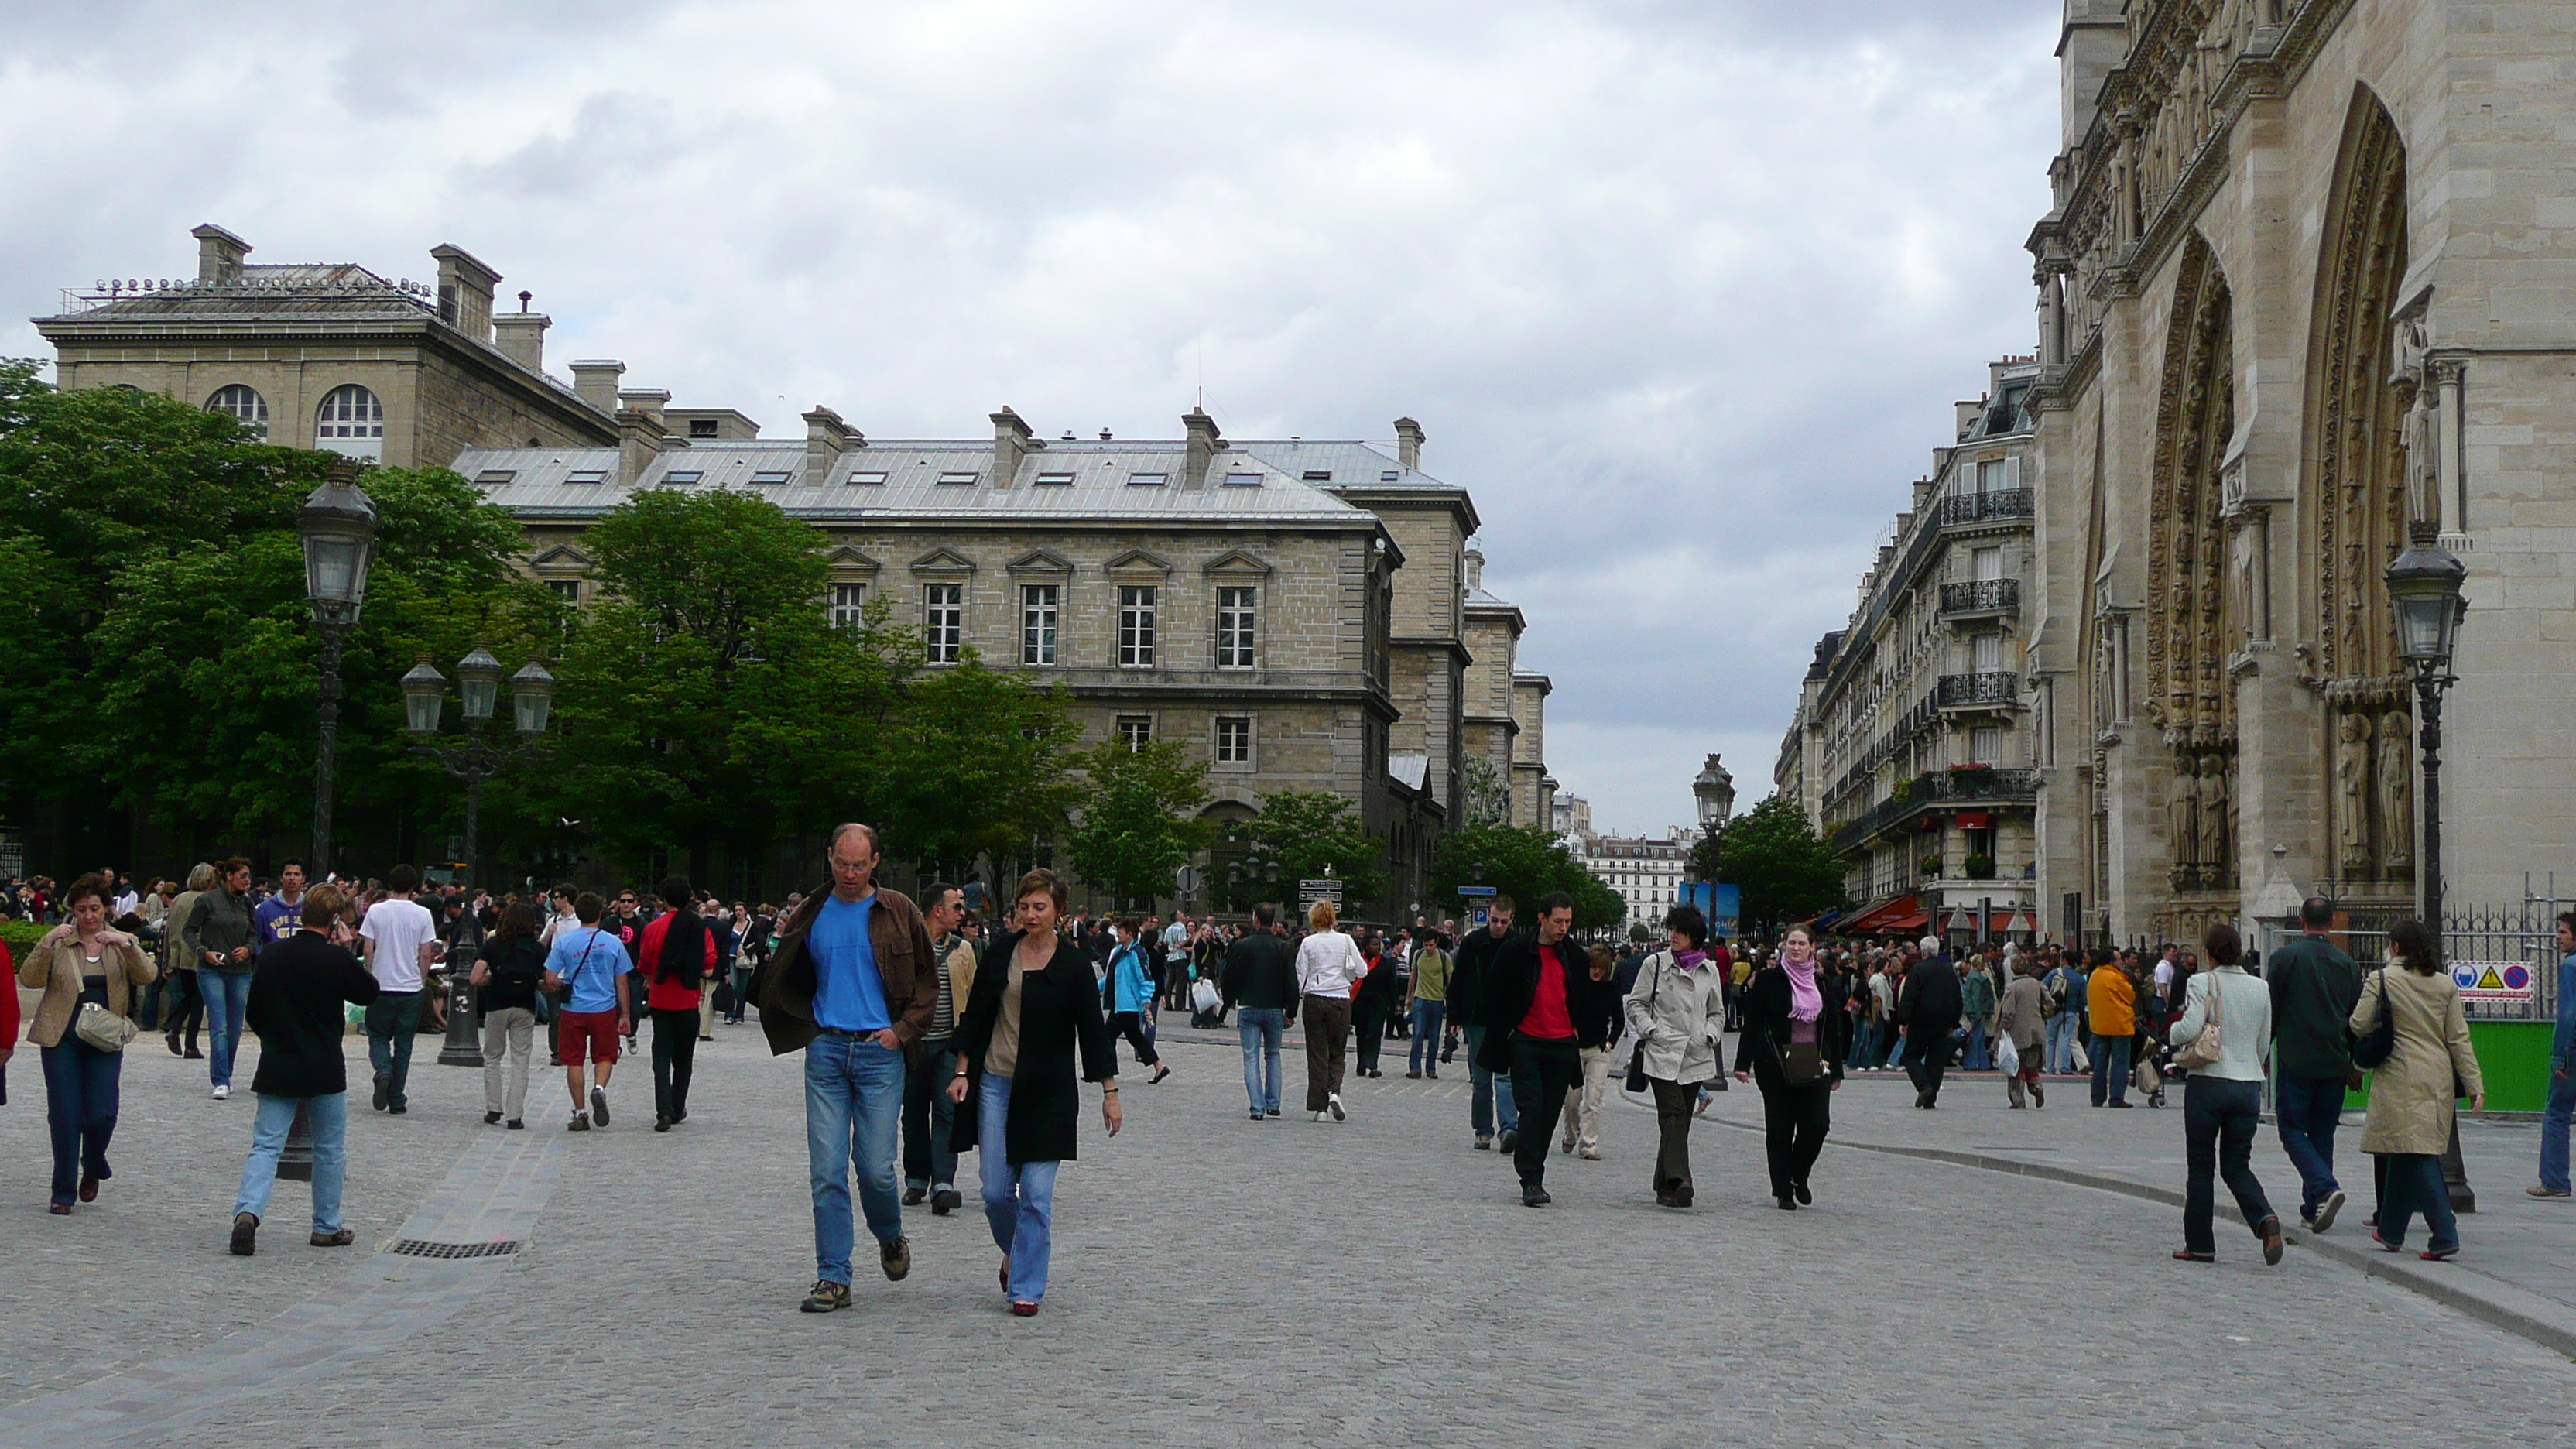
{"x": 1979, "y": 786}
{"x": 1989, "y": 689}
{"x": 1981, "y": 596}
{"x": 2000, "y": 506}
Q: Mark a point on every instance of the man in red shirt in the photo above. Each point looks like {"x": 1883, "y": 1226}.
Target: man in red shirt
{"x": 1538, "y": 986}
{"x": 675, "y": 953}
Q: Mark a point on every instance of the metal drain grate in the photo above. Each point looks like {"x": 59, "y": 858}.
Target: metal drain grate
{"x": 418, "y": 1248}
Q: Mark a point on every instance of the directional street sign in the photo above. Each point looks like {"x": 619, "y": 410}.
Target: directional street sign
{"x": 1474, "y": 891}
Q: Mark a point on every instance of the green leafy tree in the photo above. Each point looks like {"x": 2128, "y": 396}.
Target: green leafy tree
{"x": 1139, "y": 823}
{"x": 1772, "y": 855}
{"x": 978, "y": 766}
{"x": 1299, "y": 835}
{"x": 1525, "y": 863}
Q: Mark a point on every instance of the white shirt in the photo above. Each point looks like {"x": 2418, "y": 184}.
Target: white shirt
{"x": 394, "y": 931}
{"x": 1329, "y": 964}
{"x": 2164, "y": 977}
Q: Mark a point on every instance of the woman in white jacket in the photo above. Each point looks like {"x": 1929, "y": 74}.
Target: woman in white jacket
{"x": 1678, "y": 1010}
{"x": 1328, "y": 967}
{"x": 2222, "y": 1100}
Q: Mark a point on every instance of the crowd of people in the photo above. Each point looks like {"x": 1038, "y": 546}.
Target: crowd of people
{"x": 924, "y": 1035}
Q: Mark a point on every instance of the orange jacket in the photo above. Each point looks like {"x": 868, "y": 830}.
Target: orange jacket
{"x": 2111, "y": 1002}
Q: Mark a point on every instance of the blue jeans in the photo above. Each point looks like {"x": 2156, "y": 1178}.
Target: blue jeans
{"x": 1482, "y": 1101}
{"x": 227, "y": 997}
{"x": 1864, "y": 1037}
{"x": 1260, "y": 1027}
{"x": 329, "y": 1119}
{"x": 1019, "y": 1198}
{"x": 2110, "y": 1068}
{"x": 2061, "y": 1043}
{"x": 393, "y": 1024}
{"x": 1975, "y": 1059}
{"x": 80, "y": 1108}
{"x": 2554, "y": 1117}
{"x": 2415, "y": 1185}
{"x": 1895, "y": 1038}
{"x": 741, "y": 979}
{"x": 853, "y": 1113}
{"x": 1425, "y": 1053}
{"x": 2308, "y": 1109}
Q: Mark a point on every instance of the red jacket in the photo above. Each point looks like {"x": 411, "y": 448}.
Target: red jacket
{"x": 661, "y": 995}
{"x": 8, "y": 1003}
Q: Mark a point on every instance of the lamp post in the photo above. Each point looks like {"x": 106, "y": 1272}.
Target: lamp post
{"x": 2424, "y": 588}
{"x": 338, "y": 527}
{"x": 474, "y": 759}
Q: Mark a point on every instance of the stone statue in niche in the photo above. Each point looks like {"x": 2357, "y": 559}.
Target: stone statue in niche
{"x": 2423, "y": 457}
{"x": 2352, "y": 783}
{"x": 2396, "y": 793}
{"x": 2214, "y": 823}
{"x": 2182, "y": 806}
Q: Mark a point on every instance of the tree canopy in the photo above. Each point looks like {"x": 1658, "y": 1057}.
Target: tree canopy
{"x": 1772, "y": 855}
{"x": 1299, "y": 835}
{"x": 1139, "y": 823}
{"x": 1525, "y": 863}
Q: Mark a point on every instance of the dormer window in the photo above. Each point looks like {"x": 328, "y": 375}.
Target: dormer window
{"x": 494, "y": 477}
{"x": 702, "y": 427}
{"x": 683, "y": 477}
{"x": 1146, "y": 480}
{"x": 771, "y": 477}
{"x": 587, "y": 475}
{"x": 863, "y": 479}
{"x": 1055, "y": 480}
{"x": 1242, "y": 480}
{"x": 950, "y": 479}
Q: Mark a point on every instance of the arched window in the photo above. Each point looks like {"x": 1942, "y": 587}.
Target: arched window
{"x": 244, "y": 402}
{"x": 351, "y": 422}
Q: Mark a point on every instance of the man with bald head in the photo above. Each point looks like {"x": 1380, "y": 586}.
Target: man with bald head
{"x": 852, "y": 985}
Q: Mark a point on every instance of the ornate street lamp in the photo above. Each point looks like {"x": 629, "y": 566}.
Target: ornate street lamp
{"x": 2425, "y": 589}
{"x": 338, "y": 526}
{"x": 474, "y": 759}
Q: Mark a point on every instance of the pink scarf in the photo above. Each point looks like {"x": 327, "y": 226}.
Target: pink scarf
{"x": 1806, "y": 1003}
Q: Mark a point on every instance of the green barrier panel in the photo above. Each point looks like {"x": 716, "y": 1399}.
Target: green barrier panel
{"x": 2513, "y": 1057}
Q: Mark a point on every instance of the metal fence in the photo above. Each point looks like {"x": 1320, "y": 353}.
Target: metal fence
{"x": 2498, "y": 937}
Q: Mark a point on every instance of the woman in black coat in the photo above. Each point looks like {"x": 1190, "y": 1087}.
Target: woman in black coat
{"x": 1033, "y": 1004}
{"x": 1795, "y": 1038}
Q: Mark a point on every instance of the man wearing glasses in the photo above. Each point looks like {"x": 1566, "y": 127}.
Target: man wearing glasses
{"x": 853, "y": 986}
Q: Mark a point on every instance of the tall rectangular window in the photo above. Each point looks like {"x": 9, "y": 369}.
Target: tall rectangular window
{"x": 943, "y": 621}
{"x": 1038, "y": 603}
{"x": 1136, "y": 730}
{"x": 846, "y": 601}
{"x": 1985, "y": 745}
{"x": 568, "y": 590}
{"x": 1136, "y": 626}
{"x": 1234, "y": 739}
{"x": 1234, "y": 628}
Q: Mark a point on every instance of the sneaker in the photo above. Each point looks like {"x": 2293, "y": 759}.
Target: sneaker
{"x": 245, "y": 1234}
{"x": 223, "y": 1093}
{"x": 913, "y": 1193}
{"x": 1318, "y": 1116}
{"x": 516, "y": 1125}
{"x": 825, "y": 1296}
{"x": 1535, "y": 1196}
{"x": 895, "y": 1258}
{"x": 599, "y": 1105}
{"x": 491, "y": 1119}
{"x": 1256, "y": 1114}
{"x": 1270, "y": 1112}
{"x": 2544, "y": 1191}
{"x": 1484, "y": 1144}
{"x": 1334, "y": 1104}
{"x": 2440, "y": 1255}
{"x": 1510, "y": 1142}
{"x": 945, "y": 1200}
{"x": 580, "y": 1122}
{"x": 384, "y": 1090}
{"x": 1589, "y": 1155}
{"x": 2326, "y": 1211}
{"x": 337, "y": 1238}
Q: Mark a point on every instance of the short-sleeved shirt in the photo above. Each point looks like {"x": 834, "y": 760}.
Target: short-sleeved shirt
{"x": 394, "y": 931}
{"x": 849, "y": 995}
{"x": 589, "y": 961}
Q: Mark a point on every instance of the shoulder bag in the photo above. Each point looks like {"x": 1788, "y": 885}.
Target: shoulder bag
{"x": 1637, "y": 1057}
{"x": 2373, "y": 1047}
{"x": 2202, "y": 1050}
{"x": 103, "y": 1029}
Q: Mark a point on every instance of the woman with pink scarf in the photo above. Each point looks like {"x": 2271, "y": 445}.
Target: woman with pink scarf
{"x": 1795, "y": 1039}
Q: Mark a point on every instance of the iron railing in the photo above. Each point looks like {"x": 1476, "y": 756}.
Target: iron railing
{"x": 1980, "y": 596}
{"x": 1991, "y": 687}
{"x": 1923, "y": 792}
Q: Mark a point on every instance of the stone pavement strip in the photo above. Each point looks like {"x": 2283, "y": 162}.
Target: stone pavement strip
{"x": 1217, "y": 1282}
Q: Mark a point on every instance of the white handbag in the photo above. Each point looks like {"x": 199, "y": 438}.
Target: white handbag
{"x": 2007, "y": 1056}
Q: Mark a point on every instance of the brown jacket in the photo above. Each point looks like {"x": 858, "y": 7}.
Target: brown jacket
{"x": 905, "y": 963}
{"x": 54, "y": 965}
{"x": 2411, "y": 1092}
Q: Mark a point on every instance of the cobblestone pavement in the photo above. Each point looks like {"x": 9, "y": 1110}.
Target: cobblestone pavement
{"x": 1220, "y": 1282}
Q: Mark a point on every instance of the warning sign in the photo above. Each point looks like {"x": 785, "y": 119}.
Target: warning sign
{"x": 2511, "y": 981}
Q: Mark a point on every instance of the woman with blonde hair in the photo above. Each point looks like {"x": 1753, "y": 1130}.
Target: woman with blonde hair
{"x": 1328, "y": 966}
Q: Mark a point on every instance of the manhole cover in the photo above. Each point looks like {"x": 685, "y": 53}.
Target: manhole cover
{"x": 418, "y": 1248}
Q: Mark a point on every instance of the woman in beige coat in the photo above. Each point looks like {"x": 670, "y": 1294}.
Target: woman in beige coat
{"x": 2022, "y": 1017}
{"x": 2411, "y": 1093}
{"x": 81, "y": 961}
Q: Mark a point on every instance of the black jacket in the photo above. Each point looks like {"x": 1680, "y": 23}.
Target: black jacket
{"x": 1469, "y": 968}
{"x": 1930, "y": 1002}
{"x": 518, "y": 963}
{"x": 1766, "y": 1025}
{"x": 1260, "y": 974}
{"x": 1059, "y": 1012}
{"x": 295, "y": 996}
{"x": 1511, "y": 983}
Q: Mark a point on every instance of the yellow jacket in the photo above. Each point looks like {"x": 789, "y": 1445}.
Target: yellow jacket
{"x": 2111, "y": 1002}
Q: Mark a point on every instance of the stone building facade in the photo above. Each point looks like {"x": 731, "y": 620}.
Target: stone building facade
{"x": 1645, "y": 871}
{"x": 2303, "y": 291}
{"x": 1914, "y": 736}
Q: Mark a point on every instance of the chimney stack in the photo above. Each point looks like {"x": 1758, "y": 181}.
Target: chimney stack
{"x": 826, "y": 439}
{"x": 1203, "y": 445}
{"x": 594, "y": 381}
{"x": 1408, "y": 443}
{"x": 219, "y": 254}
{"x": 1013, "y": 440}
{"x": 521, "y": 336}
{"x": 1966, "y": 413}
{"x": 640, "y": 436}
{"x": 1474, "y": 560}
{"x": 649, "y": 400}
{"x": 464, "y": 291}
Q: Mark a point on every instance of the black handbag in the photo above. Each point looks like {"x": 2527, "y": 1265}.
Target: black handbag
{"x": 1637, "y": 1057}
{"x": 2373, "y": 1047}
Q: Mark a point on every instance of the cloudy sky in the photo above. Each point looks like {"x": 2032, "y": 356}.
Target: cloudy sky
{"x": 1682, "y": 289}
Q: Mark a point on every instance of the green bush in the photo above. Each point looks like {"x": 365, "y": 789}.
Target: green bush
{"x": 18, "y": 936}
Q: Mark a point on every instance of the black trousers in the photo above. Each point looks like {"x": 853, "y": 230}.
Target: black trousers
{"x": 1674, "y": 1104}
{"x": 1368, "y": 1015}
{"x": 2219, "y": 1120}
{"x": 183, "y": 1007}
{"x": 1794, "y": 1123}
{"x": 1131, "y": 1025}
{"x": 1927, "y": 1056}
{"x": 675, "y": 1054}
{"x": 1542, "y": 1073}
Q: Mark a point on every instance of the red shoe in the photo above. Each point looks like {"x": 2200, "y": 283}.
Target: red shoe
{"x": 1023, "y": 1310}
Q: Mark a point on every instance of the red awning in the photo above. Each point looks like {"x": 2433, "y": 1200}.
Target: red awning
{"x": 1975, "y": 820}
{"x": 1884, "y": 917}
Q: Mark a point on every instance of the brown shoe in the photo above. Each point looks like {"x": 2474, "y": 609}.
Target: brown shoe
{"x": 341, "y": 1239}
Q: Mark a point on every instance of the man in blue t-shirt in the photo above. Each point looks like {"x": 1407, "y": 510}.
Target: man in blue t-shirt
{"x": 591, "y": 966}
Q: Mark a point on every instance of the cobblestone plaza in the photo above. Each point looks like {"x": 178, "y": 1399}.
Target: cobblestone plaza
{"x": 1219, "y": 1282}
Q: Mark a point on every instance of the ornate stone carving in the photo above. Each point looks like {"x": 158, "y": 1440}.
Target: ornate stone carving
{"x": 2352, "y": 794}
{"x": 2217, "y": 866}
{"x": 2396, "y": 795}
{"x": 2182, "y": 808}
